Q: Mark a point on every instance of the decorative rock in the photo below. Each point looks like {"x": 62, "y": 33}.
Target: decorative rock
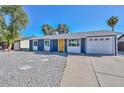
{"x": 17, "y": 71}
{"x": 45, "y": 60}
{"x": 1, "y": 73}
{"x": 26, "y": 67}
{"x": 30, "y": 61}
{"x": 43, "y": 56}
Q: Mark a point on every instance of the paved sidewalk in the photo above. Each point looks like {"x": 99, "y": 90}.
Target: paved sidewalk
{"x": 109, "y": 70}
{"x": 79, "y": 72}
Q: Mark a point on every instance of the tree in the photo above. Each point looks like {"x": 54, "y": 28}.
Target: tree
{"x": 112, "y": 21}
{"x": 46, "y": 28}
{"x": 62, "y": 29}
{"x": 13, "y": 19}
{"x": 49, "y": 30}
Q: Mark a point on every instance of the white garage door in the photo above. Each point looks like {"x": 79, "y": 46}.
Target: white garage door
{"x": 100, "y": 45}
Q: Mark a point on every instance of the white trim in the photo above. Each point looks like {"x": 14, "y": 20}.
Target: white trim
{"x": 47, "y": 48}
{"x": 74, "y": 49}
{"x": 35, "y": 48}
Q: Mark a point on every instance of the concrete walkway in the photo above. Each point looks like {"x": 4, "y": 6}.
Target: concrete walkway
{"x": 79, "y": 72}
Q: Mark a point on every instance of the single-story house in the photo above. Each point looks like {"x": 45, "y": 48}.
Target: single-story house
{"x": 94, "y": 42}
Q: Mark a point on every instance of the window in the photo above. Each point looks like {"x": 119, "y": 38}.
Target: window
{"x": 91, "y": 39}
{"x": 107, "y": 39}
{"x": 35, "y": 43}
{"x": 47, "y": 43}
{"x": 74, "y": 42}
{"x": 95, "y": 39}
{"x": 101, "y": 39}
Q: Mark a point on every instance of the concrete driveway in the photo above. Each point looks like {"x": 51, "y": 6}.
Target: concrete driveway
{"x": 93, "y": 71}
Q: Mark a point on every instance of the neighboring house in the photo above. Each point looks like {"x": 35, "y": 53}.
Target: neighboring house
{"x": 23, "y": 43}
{"x": 121, "y": 43}
{"x": 16, "y": 45}
{"x": 95, "y": 42}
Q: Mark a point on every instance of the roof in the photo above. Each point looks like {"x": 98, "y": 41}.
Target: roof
{"x": 119, "y": 34}
{"x": 78, "y": 35}
{"x": 27, "y": 38}
{"x": 121, "y": 38}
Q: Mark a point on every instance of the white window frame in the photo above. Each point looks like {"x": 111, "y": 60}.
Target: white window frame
{"x": 73, "y": 43}
{"x": 36, "y": 43}
{"x": 48, "y": 43}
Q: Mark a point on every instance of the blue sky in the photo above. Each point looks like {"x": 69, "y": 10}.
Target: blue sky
{"x": 79, "y": 18}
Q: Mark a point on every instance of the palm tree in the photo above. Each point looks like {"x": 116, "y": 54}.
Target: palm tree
{"x": 112, "y": 21}
{"x": 54, "y": 31}
{"x": 46, "y": 28}
{"x": 62, "y": 29}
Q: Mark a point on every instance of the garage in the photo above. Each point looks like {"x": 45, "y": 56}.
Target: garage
{"x": 101, "y": 45}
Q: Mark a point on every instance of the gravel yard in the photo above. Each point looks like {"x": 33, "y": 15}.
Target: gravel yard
{"x": 31, "y": 69}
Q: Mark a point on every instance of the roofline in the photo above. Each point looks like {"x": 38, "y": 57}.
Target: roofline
{"x": 74, "y": 35}
{"x": 121, "y": 36}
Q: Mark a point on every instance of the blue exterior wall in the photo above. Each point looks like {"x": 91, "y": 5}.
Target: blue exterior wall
{"x": 54, "y": 45}
{"x": 51, "y": 45}
{"x": 65, "y": 45}
{"x": 83, "y": 45}
{"x": 40, "y": 45}
{"x": 31, "y": 45}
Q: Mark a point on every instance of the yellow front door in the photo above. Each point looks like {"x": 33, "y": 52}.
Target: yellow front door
{"x": 61, "y": 45}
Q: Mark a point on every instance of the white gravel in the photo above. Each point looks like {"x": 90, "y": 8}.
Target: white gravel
{"x": 34, "y": 72}
{"x": 30, "y": 61}
{"x": 26, "y": 67}
{"x": 45, "y": 60}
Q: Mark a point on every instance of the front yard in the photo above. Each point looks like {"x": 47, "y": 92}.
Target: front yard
{"x": 31, "y": 69}
{"x": 43, "y": 69}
